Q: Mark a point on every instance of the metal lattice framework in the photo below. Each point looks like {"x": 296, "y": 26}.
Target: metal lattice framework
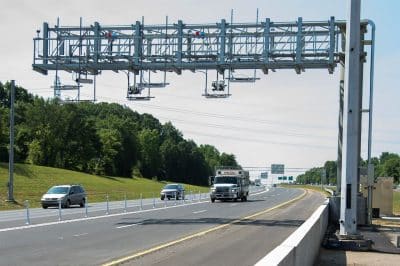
{"x": 137, "y": 48}
{"x": 176, "y": 47}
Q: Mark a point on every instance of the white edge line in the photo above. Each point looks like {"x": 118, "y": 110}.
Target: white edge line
{"x": 104, "y": 216}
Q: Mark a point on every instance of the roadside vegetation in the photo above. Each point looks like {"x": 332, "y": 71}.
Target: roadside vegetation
{"x": 104, "y": 139}
{"x": 31, "y": 182}
{"x": 396, "y": 203}
{"x": 386, "y": 165}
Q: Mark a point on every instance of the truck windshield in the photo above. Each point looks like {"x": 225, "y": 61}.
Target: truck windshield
{"x": 225, "y": 179}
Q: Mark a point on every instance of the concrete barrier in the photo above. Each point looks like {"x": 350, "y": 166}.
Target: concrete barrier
{"x": 302, "y": 247}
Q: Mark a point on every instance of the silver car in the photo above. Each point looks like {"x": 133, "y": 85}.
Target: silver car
{"x": 67, "y": 194}
{"x": 170, "y": 191}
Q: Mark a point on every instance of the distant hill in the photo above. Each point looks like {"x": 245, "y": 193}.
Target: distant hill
{"x": 31, "y": 182}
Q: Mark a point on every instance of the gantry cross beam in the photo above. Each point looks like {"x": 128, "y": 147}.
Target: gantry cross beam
{"x": 175, "y": 47}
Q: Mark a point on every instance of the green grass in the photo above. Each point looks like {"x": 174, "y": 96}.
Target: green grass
{"x": 396, "y": 203}
{"x": 316, "y": 188}
{"x": 31, "y": 182}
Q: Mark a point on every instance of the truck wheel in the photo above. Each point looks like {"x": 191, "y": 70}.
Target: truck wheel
{"x": 212, "y": 200}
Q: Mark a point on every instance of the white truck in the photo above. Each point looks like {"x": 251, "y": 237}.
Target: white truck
{"x": 230, "y": 184}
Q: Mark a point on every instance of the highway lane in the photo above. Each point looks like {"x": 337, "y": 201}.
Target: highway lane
{"x": 38, "y": 215}
{"x": 102, "y": 239}
{"x": 242, "y": 243}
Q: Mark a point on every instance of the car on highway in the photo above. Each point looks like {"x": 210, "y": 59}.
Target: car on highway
{"x": 67, "y": 194}
{"x": 176, "y": 191}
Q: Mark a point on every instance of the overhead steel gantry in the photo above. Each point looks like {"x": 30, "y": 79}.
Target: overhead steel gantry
{"x": 224, "y": 47}
{"x": 140, "y": 50}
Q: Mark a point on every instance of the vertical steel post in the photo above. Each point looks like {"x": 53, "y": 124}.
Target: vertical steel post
{"x": 299, "y": 44}
{"x": 371, "y": 100}
{"x": 45, "y": 43}
{"x": 154, "y": 201}
{"x": 86, "y": 207}
{"x": 222, "y": 42}
{"x": 141, "y": 201}
{"x": 340, "y": 125}
{"x": 97, "y": 42}
{"x": 180, "y": 42}
{"x": 137, "y": 43}
{"x": 11, "y": 152}
{"x": 125, "y": 203}
{"x": 28, "y": 220}
{"x": 351, "y": 128}
{"x": 107, "y": 205}
{"x": 59, "y": 209}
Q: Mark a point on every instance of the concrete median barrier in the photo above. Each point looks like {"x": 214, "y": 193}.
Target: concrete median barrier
{"x": 301, "y": 248}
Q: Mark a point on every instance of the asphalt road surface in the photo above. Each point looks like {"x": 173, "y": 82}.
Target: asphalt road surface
{"x": 106, "y": 238}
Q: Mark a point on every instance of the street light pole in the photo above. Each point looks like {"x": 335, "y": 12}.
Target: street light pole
{"x": 11, "y": 152}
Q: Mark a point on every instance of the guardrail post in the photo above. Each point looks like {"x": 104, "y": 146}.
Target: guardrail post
{"x": 125, "y": 203}
{"x": 154, "y": 201}
{"x": 108, "y": 207}
{"x": 86, "y": 207}
{"x": 141, "y": 201}
{"x": 165, "y": 202}
{"x": 175, "y": 198}
{"x": 191, "y": 195}
{"x": 199, "y": 195}
{"x": 59, "y": 209}
{"x": 28, "y": 220}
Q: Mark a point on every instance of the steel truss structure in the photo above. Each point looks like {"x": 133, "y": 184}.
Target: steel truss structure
{"x": 265, "y": 45}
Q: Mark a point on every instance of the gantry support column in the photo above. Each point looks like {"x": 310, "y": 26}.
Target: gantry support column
{"x": 351, "y": 119}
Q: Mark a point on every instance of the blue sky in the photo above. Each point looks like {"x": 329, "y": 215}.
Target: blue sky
{"x": 283, "y": 118}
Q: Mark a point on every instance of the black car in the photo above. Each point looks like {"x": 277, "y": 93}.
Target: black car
{"x": 170, "y": 191}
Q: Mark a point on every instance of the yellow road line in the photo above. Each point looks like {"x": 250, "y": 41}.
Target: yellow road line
{"x": 202, "y": 233}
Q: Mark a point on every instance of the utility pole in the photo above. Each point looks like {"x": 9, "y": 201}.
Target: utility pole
{"x": 11, "y": 152}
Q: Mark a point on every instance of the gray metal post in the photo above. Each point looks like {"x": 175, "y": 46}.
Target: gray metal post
{"x": 371, "y": 175}
{"x": 222, "y": 42}
{"x": 352, "y": 134}
{"x": 340, "y": 131}
{"x": 199, "y": 195}
{"x": 59, "y": 210}
{"x": 45, "y": 42}
{"x": 86, "y": 207}
{"x": 154, "y": 201}
{"x": 175, "y": 198}
{"x": 107, "y": 206}
{"x": 11, "y": 152}
{"x": 180, "y": 41}
{"x": 299, "y": 44}
{"x": 137, "y": 42}
{"x": 28, "y": 220}
{"x": 125, "y": 203}
{"x": 141, "y": 201}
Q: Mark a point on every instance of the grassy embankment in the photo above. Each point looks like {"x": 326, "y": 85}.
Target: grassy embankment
{"x": 31, "y": 182}
{"x": 396, "y": 203}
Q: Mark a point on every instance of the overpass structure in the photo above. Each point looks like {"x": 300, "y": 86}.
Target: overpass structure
{"x": 140, "y": 51}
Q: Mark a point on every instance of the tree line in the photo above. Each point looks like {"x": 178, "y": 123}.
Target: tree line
{"x": 386, "y": 165}
{"x": 103, "y": 139}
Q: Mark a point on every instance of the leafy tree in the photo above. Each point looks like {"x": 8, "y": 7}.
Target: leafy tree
{"x": 150, "y": 160}
{"x": 391, "y": 168}
{"x": 227, "y": 160}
